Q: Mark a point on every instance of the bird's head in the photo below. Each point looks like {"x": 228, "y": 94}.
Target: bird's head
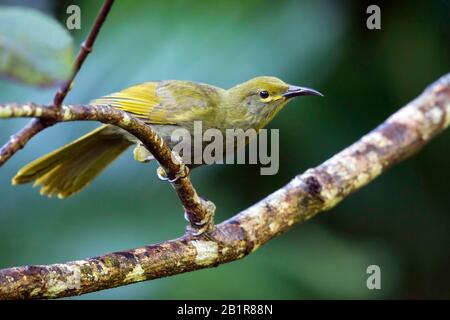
{"x": 263, "y": 97}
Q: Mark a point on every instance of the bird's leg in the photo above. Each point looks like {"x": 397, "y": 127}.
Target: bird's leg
{"x": 197, "y": 228}
{"x": 141, "y": 154}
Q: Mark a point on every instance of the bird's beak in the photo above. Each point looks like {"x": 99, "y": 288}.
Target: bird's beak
{"x": 295, "y": 91}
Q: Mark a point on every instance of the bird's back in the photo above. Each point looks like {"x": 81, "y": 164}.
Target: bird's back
{"x": 170, "y": 102}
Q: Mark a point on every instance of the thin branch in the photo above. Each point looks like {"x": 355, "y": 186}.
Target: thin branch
{"x": 20, "y": 139}
{"x": 199, "y": 212}
{"x": 317, "y": 190}
{"x": 85, "y": 49}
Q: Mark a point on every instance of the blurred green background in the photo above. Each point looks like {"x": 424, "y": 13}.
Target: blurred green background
{"x": 400, "y": 222}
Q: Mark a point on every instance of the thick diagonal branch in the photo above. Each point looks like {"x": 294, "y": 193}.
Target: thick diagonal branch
{"x": 318, "y": 189}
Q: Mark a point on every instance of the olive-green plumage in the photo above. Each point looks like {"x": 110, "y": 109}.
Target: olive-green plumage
{"x": 165, "y": 105}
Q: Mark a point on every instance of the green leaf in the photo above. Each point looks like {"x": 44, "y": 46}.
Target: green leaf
{"x": 34, "y": 48}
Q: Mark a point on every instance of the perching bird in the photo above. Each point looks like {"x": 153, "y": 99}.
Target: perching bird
{"x": 166, "y": 106}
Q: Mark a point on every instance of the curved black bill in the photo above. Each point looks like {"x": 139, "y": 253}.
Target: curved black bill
{"x": 295, "y": 91}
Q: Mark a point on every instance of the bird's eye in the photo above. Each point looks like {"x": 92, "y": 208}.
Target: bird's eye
{"x": 264, "y": 94}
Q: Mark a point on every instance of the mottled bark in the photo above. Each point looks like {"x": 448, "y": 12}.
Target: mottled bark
{"x": 316, "y": 190}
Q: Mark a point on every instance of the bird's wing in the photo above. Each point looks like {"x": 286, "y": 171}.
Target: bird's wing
{"x": 166, "y": 102}
{"x": 138, "y": 100}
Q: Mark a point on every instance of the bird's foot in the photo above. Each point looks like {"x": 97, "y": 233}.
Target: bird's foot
{"x": 205, "y": 226}
{"x": 183, "y": 172}
{"x": 141, "y": 154}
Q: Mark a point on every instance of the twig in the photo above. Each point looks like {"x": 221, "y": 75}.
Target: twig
{"x": 85, "y": 49}
{"x": 317, "y": 190}
{"x": 20, "y": 139}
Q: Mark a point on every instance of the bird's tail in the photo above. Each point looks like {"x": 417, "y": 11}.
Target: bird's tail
{"x": 71, "y": 168}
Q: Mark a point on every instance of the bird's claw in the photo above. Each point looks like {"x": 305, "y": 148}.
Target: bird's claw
{"x": 205, "y": 226}
{"x": 182, "y": 173}
{"x": 202, "y": 228}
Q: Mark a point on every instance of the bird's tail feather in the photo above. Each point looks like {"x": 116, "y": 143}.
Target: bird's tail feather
{"x": 69, "y": 169}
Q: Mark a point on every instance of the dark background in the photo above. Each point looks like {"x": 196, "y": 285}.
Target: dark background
{"x": 400, "y": 222}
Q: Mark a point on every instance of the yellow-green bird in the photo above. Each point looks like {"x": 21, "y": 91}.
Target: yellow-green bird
{"x": 166, "y": 106}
